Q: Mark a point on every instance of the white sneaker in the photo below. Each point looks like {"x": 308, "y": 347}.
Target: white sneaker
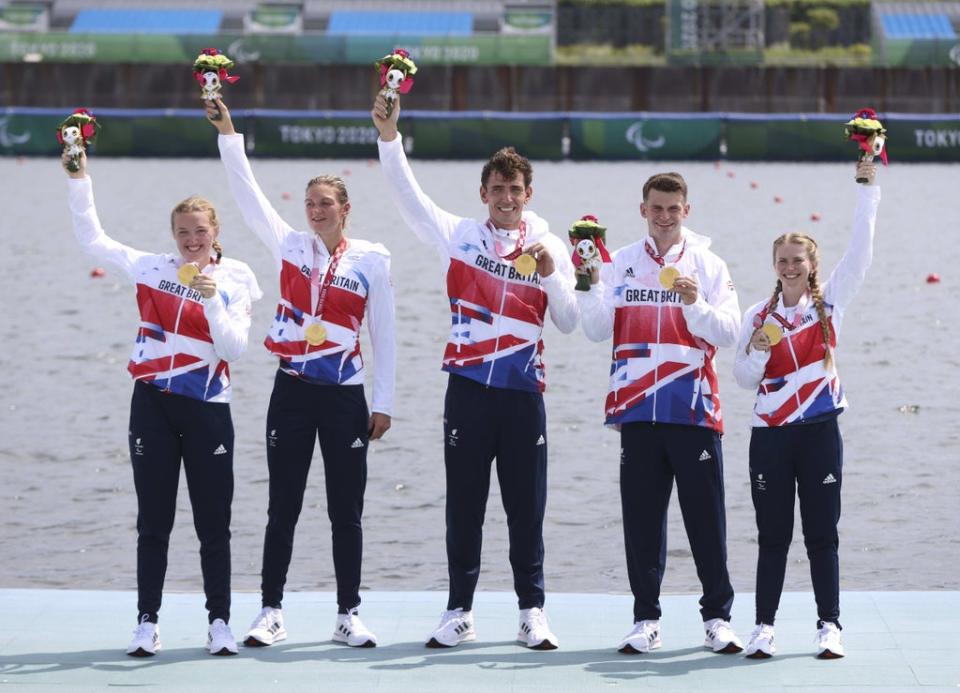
{"x": 720, "y": 637}
{"x": 644, "y": 637}
{"x": 146, "y": 640}
{"x": 350, "y": 629}
{"x": 534, "y": 630}
{"x": 829, "y": 643}
{"x": 761, "y": 643}
{"x": 455, "y": 627}
{"x": 220, "y": 640}
{"x": 266, "y": 629}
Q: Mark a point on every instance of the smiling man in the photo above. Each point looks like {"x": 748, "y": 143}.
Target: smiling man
{"x": 503, "y": 274}
{"x": 668, "y": 302}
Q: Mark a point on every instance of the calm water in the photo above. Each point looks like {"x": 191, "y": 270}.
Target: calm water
{"x": 67, "y": 494}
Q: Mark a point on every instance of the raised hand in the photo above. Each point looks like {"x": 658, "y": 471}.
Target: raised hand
{"x": 386, "y": 125}
{"x": 220, "y": 119}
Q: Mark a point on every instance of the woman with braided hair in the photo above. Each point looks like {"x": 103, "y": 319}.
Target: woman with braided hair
{"x": 786, "y": 354}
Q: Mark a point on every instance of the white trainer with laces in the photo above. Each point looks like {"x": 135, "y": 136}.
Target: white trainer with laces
{"x": 761, "y": 643}
{"x": 349, "y": 629}
{"x": 146, "y": 640}
{"x": 829, "y": 643}
{"x": 720, "y": 637}
{"x": 266, "y": 629}
{"x": 455, "y": 627}
{"x": 644, "y": 637}
{"x": 220, "y": 640}
{"x": 534, "y": 630}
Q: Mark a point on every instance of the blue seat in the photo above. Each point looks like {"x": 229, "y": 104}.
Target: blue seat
{"x": 408, "y": 23}
{"x": 917, "y": 26}
{"x": 147, "y": 22}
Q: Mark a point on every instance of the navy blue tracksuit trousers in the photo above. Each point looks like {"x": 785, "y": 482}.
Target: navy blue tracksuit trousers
{"x": 165, "y": 428}
{"x": 651, "y": 456}
{"x": 482, "y": 423}
{"x": 301, "y": 413}
{"x": 806, "y": 460}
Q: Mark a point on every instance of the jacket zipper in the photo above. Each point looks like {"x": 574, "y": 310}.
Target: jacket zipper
{"x": 173, "y": 350}
{"x": 496, "y": 344}
{"x": 796, "y": 366}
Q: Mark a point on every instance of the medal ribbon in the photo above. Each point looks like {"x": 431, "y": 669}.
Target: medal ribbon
{"x": 318, "y": 290}
{"x": 787, "y": 325}
{"x": 659, "y": 258}
{"x": 518, "y": 249}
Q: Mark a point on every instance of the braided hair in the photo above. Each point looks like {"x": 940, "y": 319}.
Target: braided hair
{"x": 818, "y": 303}
{"x": 816, "y": 293}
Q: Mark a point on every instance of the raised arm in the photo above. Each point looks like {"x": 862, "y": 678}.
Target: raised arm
{"x": 86, "y": 224}
{"x": 847, "y": 277}
{"x": 431, "y": 224}
{"x": 256, "y": 209}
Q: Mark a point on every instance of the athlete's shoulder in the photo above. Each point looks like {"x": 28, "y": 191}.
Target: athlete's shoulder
{"x": 360, "y": 245}
{"x": 531, "y": 218}
{"x": 468, "y": 230}
{"x": 627, "y": 254}
{"x": 234, "y": 266}
{"x": 156, "y": 262}
{"x": 299, "y": 239}
{"x": 240, "y": 273}
{"x": 699, "y": 247}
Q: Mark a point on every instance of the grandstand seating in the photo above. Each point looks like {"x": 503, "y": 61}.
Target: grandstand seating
{"x": 401, "y": 23}
{"x": 147, "y": 21}
{"x": 917, "y": 26}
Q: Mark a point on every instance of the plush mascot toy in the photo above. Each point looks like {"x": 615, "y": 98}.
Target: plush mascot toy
{"x": 78, "y": 130}
{"x": 396, "y": 75}
{"x": 869, "y": 133}
{"x": 210, "y": 71}
{"x": 589, "y": 252}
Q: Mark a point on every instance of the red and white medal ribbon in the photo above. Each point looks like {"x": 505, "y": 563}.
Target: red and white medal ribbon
{"x": 316, "y": 333}
{"x": 668, "y": 273}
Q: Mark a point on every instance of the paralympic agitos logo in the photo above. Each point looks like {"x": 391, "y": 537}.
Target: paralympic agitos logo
{"x": 9, "y": 139}
{"x": 636, "y": 138}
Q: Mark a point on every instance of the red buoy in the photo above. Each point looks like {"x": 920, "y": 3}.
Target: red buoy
{"x": 754, "y": 185}
{"x": 933, "y": 278}
{"x": 731, "y": 174}
{"x": 777, "y": 199}
{"x": 99, "y": 272}
{"x": 285, "y": 196}
{"x": 815, "y": 216}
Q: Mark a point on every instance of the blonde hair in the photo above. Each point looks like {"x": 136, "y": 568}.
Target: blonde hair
{"x": 195, "y": 203}
{"x": 335, "y": 182}
{"x": 813, "y": 254}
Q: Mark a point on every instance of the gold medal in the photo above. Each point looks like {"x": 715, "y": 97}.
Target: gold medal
{"x": 187, "y": 272}
{"x": 668, "y": 275}
{"x": 525, "y": 265}
{"x": 316, "y": 334}
{"x": 774, "y": 333}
